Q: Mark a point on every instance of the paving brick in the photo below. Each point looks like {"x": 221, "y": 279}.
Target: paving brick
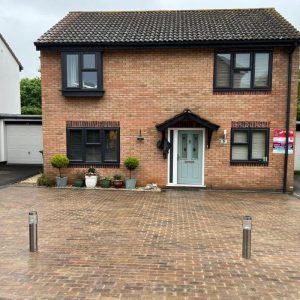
{"x": 176, "y": 245}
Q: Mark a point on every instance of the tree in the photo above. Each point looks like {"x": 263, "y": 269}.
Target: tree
{"x": 31, "y": 102}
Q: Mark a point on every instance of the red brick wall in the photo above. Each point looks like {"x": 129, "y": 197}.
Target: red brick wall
{"x": 146, "y": 87}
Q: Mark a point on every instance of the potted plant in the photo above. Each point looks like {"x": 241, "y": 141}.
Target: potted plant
{"x": 105, "y": 182}
{"x": 91, "y": 178}
{"x": 117, "y": 181}
{"x": 60, "y": 161}
{"x": 79, "y": 181}
{"x": 131, "y": 163}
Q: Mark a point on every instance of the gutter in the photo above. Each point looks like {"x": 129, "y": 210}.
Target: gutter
{"x": 288, "y": 114}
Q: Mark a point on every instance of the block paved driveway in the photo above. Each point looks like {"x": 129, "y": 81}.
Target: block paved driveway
{"x": 130, "y": 245}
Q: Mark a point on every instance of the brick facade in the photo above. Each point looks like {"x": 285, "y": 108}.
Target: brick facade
{"x": 147, "y": 87}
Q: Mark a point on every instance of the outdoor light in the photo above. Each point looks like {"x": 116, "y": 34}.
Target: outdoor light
{"x": 140, "y": 137}
{"x": 223, "y": 140}
{"x": 247, "y": 227}
{"x": 33, "y": 240}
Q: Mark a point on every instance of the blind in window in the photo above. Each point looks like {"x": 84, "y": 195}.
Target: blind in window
{"x": 258, "y": 145}
{"x": 240, "y": 137}
{"x": 75, "y": 146}
{"x": 223, "y": 70}
{"x": 261, "y": 76}
{"x": 239, "y": 152}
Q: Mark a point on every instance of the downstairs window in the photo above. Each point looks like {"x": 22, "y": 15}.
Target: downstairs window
{"x": 100, "y": 146}
{"x": 250, "y": 145}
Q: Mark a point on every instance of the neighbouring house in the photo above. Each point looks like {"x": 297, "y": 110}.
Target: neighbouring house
{"x": 20, "y": 135}
{"x": 196, "y": 95}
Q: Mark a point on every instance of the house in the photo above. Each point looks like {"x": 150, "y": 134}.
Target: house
{"x": 205, "y": 89}
{"x": 20, "y": 135}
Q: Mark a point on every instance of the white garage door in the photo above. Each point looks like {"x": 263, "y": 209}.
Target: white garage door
{"x": 297, "y": 151}
{"x": 24, "y": 143}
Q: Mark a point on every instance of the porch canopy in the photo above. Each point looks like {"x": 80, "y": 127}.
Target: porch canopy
{"x": 188, "y": 119}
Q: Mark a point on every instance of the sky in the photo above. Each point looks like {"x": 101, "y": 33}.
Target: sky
{"x": 23, "y": 21}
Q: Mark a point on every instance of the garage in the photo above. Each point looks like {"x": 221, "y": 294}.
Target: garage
{"x": 22, "y": 140}
{"x": 24, "y": 143}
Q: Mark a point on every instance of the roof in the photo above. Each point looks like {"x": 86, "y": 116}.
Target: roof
{"x": 167, "y": 27}
{"x": 11, "y": 52}
{"x": 186, "y": 115}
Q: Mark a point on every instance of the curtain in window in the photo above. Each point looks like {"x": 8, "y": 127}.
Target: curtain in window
{"x": 111, "y": 145}
{"x": 261, "y": 76}
{"x": 240, "y": 137}
{"x": 72, "y": 71}
{"x": 223, "y": 70}
{"x": 258, "y": 145}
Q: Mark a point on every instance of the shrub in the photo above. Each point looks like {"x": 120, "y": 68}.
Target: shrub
{"x": 117, "y": 177}
{"x": 91, "y": 172}
{"x": 131, "y": 163}
{"x": 43, "y": 180}
{"x": 59, "y": 161}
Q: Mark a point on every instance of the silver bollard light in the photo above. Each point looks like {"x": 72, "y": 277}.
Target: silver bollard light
{"x": 33, "y": 237}
{"x": 247, "y": 227}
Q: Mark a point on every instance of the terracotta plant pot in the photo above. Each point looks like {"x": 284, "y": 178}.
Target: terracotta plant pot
{"x": 117, "y": 183}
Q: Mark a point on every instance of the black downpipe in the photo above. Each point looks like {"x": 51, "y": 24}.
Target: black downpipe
{"x": 287, "y": 124}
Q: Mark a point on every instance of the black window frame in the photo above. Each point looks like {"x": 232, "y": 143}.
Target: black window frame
{"x": 79, "y": 92}
{"x": 249, "y": 132}
{"x": 85, "y": 144}
{"x": 251, "y": 68}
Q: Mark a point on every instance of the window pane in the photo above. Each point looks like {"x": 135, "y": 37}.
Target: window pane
{"x": 75, "y": 145}
{"x": 240, "y": 152}
{"x": 223, "y": 70}
{"x": 261, "y": 69}
{"x": 195, "y": 146}
{"x": 72, "y": 71}
{"x": 258, "y": 145}
{"x": 242, "y": 60}
{"x": 93, "y": 153}
{"x": 184, "y": 146}
{"x": 241, "y": 79}
{"x": 93, "y": 136}
{"x": 89, "y": 80}
{"x": 111, "y": 144}
{"x": 240, "y": 137}
{"x": 89, "y": 61}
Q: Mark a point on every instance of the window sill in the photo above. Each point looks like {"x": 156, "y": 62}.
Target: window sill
{"x": 95, "y": 165}
{"x": 68, "y": 93}
{"x": 242, "y": 91}
{"x": 249, "y": 163}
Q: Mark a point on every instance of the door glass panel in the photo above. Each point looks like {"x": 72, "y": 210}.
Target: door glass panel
{"x": 195, "y": 146}
{"x": 184, "y": 146}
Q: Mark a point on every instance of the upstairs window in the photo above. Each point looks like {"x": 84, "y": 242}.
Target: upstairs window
{"x": 242, "y": 71}
{"x": 250, "y": 145}
{"x": 82, "y": 74}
